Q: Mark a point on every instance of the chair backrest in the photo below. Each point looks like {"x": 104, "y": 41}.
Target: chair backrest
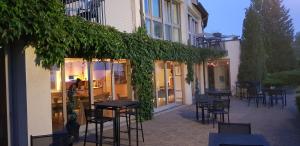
{"x": 91, "y": 113}
{"x": 234, "y": 128}
{"x": 59, "y": 139}
{"x": 221, "y": 104}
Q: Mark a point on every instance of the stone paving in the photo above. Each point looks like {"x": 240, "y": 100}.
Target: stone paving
{"x": 178, "y": 127}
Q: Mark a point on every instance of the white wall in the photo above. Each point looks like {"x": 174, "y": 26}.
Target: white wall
{"x": 233, "y": 48}
{"x": 119, "y": 13}
{"x": 38, "y": 96}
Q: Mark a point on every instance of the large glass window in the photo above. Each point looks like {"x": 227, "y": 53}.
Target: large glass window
{"x": 146, "y": 4}
{"x": 56, "y": 99}
{"x": 160, "y": 83}
{"x": 156, "y": 8}
{"x": 102, "y": 80}
{"x": 157, "y": 29}
{"x": 78, "y": 69}
{"x": 167, "y": 12}
{"x": 162, "y": 28}
{"x": 176, "y": 34}
{"x": 148, "y": 26}
{"x": 167, "y": 79}
{"x": 120, "y": 75}
{"x": 175, "y": 13}
{"x": 170, "y": 81}
{"x": 168, "y": 32}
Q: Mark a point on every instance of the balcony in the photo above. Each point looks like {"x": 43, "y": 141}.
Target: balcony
{"x": 206, "y": 40}
{"x": 90, "y": 10}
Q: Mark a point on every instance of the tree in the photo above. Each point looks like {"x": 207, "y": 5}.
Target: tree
{"x": 278, "y": 36}
{"x": 252, "y": 67}
{"x": 297, "y": 45}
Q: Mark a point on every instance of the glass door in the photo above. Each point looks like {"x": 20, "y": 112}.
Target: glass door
{"x": 57, "y": 98}
{"x": 77, "y": 69}
{"x": 170, "y": 80}
{"x": 160, "y": 83}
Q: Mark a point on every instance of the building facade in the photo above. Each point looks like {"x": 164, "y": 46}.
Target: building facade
{"x": 35, "y": 99}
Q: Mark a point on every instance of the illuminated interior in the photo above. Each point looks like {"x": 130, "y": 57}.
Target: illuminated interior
{"x": 103, "y": 85}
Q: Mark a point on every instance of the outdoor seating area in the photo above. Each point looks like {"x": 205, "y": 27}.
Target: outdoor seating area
{"x": 179, "y": 127}
{"x": 266, "y": 96}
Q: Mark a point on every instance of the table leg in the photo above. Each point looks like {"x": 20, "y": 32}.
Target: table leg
{"x": 137, "y": 126}
{"x": 117, "y": 127}
{"x": 197, "y": 112}
{"x": 203, "y": 118}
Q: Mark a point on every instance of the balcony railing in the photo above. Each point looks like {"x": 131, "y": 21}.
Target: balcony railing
{"x": 214, "y": 41}
{"x": 90, "y": 10}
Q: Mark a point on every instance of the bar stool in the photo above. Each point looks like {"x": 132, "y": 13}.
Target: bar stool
{"x": 95, "y": 116}
{"x": 128, "y": 113}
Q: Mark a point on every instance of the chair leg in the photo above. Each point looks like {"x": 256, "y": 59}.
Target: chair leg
{"x": 101, "y": 133}
{"x": 228, "y": 117}
{"x": 86, "y": 129}
{"x": 142, "y": 130}
{"x": 128, "y": 128}
{"x": 96, "y": 125}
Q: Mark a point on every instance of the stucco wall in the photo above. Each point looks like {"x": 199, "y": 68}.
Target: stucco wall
{"x": 38, "y": 96}
{"x": 233, "y": 48}
{"x": 119, "y": 13}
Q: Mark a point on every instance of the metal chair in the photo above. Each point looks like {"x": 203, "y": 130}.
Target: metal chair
{"x": 253, "y": 94}
{"x": 128, "y": 113}
{"x": 56, "y": 139}
{"x": 234, "y": 128}
{"x": 276, "y": 95}
{"x": 220, "y": 107}
{"x": 95, "y": 116}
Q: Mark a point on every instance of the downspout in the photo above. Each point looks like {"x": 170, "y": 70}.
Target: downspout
{"x": 142, "y": 13}
{"x": 204, "y": 77}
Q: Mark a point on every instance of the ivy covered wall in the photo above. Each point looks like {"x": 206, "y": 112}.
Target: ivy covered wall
{"x": 43, "y": 24}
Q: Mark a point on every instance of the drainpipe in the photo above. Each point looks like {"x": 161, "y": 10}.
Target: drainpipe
{"x": 142, "y": 13}
{"x": 203, "y": 62}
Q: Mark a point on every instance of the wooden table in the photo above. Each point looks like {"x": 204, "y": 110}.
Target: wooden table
{"x": 116, "y": 105}
{"x": 219, "y": 139}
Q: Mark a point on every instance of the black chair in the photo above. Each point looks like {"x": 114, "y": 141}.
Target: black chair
{"x": 128, "y": 113}
{"x": 234, "y": 128}
{"x": 95, "y": 116}
{"x": 276, "y": 95}
{"x": 220, "y": 107}
{"x": 254, "y": 94}
{"x": 56, "y": 139}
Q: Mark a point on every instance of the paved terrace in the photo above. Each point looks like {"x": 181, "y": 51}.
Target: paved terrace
{"x": 178, "y": 127}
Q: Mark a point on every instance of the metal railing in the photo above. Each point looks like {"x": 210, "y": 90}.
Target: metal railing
{"x": 202, "y": 41}
{"x": 90, "y": 10}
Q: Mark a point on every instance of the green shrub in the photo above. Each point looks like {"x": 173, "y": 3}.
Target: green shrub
{"x": 285, "y": 78}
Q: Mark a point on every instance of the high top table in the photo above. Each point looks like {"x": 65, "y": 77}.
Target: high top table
{"x": 117, "y": 105}
{"x": 220, "y": 139}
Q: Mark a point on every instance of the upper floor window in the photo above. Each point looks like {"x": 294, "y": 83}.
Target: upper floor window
{"x": 162, "y": 19}
{"x": 156, "y": 8}
{"x": 193, "y": 29}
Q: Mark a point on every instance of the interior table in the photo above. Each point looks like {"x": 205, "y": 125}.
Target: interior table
{"x": 220, "y": 139}
{"x": 117, "y": 105}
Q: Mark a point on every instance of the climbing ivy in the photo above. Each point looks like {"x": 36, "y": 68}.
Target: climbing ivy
{"x": 43, "y": 24}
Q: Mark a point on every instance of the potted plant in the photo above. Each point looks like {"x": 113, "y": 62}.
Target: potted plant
{"x": 72, "y": 124}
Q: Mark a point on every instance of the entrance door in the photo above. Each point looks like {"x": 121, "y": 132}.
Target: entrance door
{"x": 3, "y": 106}
{"x": 178, "y": 84}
